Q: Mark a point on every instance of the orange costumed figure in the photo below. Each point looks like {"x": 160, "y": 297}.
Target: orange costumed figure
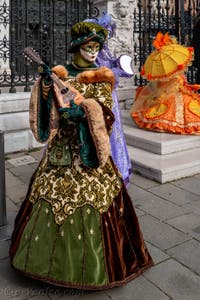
{"x": 167, "y": 103}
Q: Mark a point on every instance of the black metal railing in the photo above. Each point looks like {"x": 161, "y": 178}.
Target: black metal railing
{"x": 45, "y": 25}
{"x": 174, "y": 16}
{"x": 42, "y": 24}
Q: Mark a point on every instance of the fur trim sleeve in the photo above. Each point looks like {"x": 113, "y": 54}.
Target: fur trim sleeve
{"x": 98, "y": 129}
{"x": 108, "y": 117}
{"x": 60, "y": 71}
{"x": 34, "y": 114}
{"x": 102, "y": 74}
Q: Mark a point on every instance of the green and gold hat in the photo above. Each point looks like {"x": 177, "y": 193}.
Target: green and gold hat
{"x": 83, "y": 32}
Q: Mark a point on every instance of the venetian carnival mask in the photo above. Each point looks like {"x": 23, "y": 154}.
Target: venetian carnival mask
{"x": 89, "y": 51}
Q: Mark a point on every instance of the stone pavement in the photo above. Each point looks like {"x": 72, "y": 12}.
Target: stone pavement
{"x": 169, "y": 216}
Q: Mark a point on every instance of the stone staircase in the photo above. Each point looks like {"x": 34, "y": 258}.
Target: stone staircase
{"x": 161, "y": 156}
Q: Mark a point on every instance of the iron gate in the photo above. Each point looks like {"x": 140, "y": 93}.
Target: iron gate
{"x": 41, "y": 24}
{"x": 174, "y": 16}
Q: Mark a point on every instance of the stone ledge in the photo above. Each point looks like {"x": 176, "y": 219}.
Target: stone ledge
{"x": 14, "y": 121}
{"x": 125, "y": 93}
{"x": 165, "y": 168}
{"x": 11, "y": 103}
{"x": 20, "y": 140}
{"x": 159, "y": 143}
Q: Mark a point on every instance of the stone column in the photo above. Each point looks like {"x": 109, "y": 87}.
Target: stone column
{"x": 4, "y": 36}
{"x": 122, "y": 42}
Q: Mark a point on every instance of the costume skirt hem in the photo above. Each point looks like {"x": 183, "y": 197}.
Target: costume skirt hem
{"x": 85, "y": 287}
{"x": 160, "y": 126}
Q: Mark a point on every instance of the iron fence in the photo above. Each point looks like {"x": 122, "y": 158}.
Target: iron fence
{"x": 45, "y": 26}
{"x": 174, "y": 16}
{"x": 41, "y": 24}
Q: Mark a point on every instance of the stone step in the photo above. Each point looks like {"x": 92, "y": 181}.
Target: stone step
{"x": 12, "y": 103}
{"x": 165, "y": 168}
{"x": 126, "y": 118}
{"x": 14, "y": 122}
{"x": 159, "y": 143}
{"x": 20, "y": 140}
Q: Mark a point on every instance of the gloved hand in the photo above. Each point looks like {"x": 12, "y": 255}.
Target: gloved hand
{"x": 44, "y": 71}
{"x": 74, "y": 112}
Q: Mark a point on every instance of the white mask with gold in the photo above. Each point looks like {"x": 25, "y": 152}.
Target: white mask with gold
{"x": 89, "y": 51}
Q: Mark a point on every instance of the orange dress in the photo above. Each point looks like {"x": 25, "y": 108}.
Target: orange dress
{"x": 168, "y": 106}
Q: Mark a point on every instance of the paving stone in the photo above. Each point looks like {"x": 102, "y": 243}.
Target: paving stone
{"x": 175, "y": 280}
{"x": 139, "y": 288}
{"x": 143, "y": 181}
{"x": 160, "y": 234}
{"x": 137, "y": 193}
{"x": 10, "y": 206}
{"x": 15, "y": 286}
{"x": 139, "y": 212}
{"x": 188, "y": 254}
{"x": 174, "y": 194}
{"x": 34, "y": 166}
{"x": 197, "y": 176}
{"x": 193, "y": 207}
{"x": 71, "y": 294}
{"x": 191, "y": 184}
{"x": 22, "y": 160}
{"x": 8, "y": 165}
{"x": 24, "y": 173}
{"x": 5, "y": 233}
{"x": 15, "y": 155}
{"x": 4, "y": 249}
{"x": 17, "y": 193}
{"x": 185, "y": 223}
{"x": 11, "y": 180}
{"x": 156, "y": 254}
{"x": 159, "y": 208}
{"x": 39, "y": 298}
{"x": 11, "y": 215}
{"x": 37, "y": 154}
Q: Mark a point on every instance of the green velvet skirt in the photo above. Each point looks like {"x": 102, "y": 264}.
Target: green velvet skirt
{"x": 88, "y": 251}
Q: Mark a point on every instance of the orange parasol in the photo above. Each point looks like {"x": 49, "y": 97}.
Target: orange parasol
{"x": 167, "y": 59}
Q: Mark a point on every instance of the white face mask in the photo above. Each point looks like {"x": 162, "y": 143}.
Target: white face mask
{"x": 90, "y": 51}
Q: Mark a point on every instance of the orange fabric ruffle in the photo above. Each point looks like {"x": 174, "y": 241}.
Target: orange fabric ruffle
{"x": 175, "y": 108}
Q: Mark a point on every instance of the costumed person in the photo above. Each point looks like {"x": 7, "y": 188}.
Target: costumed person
{"x": 117, "y": 139}
{"x": 167, "y": 103}
{"x": 77, "y": 227}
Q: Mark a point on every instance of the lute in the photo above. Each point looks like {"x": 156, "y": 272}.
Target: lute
{"x": 67, "y": 95}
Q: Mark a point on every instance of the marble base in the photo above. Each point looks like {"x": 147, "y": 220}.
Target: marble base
{"x": 159, "y": 143}
{"x": 165, "y": 168}
{"x": 161, "y": 156}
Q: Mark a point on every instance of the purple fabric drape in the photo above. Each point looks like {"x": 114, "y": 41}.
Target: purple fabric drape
{"x": 117, "y": 139}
